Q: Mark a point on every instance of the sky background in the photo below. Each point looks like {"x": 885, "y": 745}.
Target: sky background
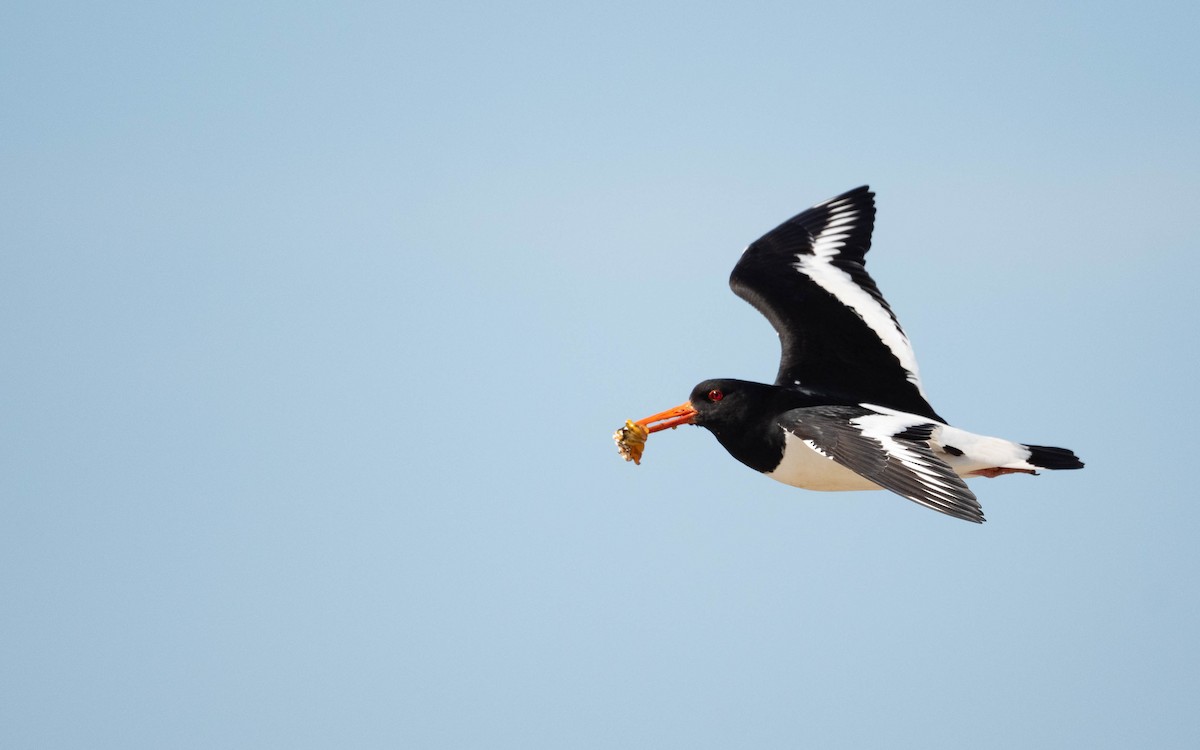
{"x": 317, "y": 319}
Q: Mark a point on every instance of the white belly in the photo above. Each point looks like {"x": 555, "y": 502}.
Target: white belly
{"x": 803, "y": 466}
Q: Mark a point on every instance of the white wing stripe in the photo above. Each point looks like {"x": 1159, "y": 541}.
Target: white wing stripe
{"x": 842, "y": 221}
{"x": 819, "y": 267}
{"x": 884, "y": 427}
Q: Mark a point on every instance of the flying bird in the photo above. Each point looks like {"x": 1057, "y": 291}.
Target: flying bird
{"x": 847, "y": 410}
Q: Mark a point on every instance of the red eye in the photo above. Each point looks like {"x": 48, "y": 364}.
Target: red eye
{"x": 714, "y": 395}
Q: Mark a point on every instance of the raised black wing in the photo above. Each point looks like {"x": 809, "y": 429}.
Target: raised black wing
{"x": 891, "y": 449}
{"x": 808, "y": 277}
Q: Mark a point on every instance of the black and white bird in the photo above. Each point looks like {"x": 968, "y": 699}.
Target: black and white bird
{"x": 847, "y": 410}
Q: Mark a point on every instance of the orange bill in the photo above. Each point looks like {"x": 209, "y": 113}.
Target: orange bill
{"x": 682, "y": 414}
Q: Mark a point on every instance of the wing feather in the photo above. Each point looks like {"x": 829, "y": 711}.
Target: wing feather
{"x": 890, "y": 449}
{"x": 808, "y": 277}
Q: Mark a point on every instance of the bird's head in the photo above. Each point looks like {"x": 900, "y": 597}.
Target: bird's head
{"x": 717, "y": 404}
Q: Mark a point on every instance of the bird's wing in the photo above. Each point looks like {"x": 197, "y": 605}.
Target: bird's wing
{"x": 891, "y": 449}
{"x": 808, "y": 277}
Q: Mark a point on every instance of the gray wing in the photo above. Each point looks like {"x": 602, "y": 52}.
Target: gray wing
{"x": 891, "y": 449}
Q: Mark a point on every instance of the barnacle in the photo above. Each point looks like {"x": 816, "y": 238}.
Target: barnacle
{"x": 631, "y": 441}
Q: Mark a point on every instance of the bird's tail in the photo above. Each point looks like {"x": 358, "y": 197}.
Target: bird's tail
{"x": 1045, "y": 457}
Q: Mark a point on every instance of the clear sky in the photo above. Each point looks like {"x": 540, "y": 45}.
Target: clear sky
{"x": 318, "y": 318}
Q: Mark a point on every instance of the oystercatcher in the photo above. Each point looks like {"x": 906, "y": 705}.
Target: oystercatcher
{"x": 847, "y": 410}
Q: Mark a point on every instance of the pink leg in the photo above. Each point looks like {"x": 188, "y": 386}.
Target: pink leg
{"x": 996, "y": 471}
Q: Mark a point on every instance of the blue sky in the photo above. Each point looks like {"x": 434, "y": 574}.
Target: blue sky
{"x": 318, "y": 319}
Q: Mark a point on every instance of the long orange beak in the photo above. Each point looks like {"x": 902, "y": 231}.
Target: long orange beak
{"x": 682, "y": 414}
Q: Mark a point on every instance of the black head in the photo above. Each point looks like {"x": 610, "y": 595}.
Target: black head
{"x": 725, "y": 404}
{"x": 743, "y": 417}
{"x": 741, "y": 414}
